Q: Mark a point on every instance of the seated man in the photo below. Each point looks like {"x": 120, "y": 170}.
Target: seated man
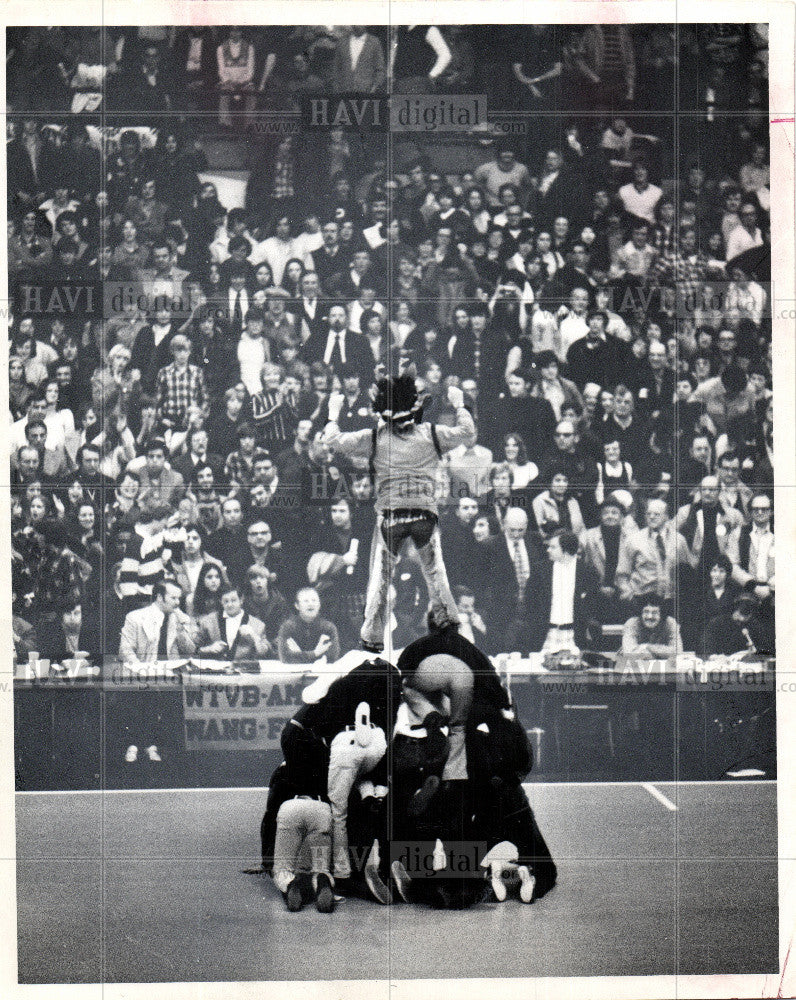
{"x": 305, "y": 637}
{"x": 649, "y": 635}
{"x": 160, "y": 631}
{"x": 231, "y": 633}
{"x": 74, "y": 630}
{"x": 744, "y": 630}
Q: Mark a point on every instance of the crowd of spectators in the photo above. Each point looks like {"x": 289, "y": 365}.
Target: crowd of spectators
{"x": 603, "y": 305}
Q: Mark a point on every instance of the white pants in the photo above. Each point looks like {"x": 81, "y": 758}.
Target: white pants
{"x": 348, "y": 761}
{"x": 303, "y": 840}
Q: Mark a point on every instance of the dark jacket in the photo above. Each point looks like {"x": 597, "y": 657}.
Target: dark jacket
{"x": 374, "y": 681}
{"x": 487, "y": 688}
{"x": 540, "y": 587}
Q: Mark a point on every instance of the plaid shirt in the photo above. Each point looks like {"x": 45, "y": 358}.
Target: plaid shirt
{"x": 238, "y": 469}
{"x": 687, "y": 274}
{"x": 178, "y": 390}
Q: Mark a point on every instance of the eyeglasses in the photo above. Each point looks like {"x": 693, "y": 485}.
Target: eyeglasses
{"x": 760, "y": 510}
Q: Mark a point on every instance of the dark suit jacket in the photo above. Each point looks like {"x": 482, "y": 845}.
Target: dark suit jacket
{"x": 540, "y": 594}
{"x": 184, "y": 465}
{"x": 357, "y": 351}
{"x": 52, "y": 642}
{"x": 563, "y": 197}
{"x": 327, "y": 265}
{"x": 21, "y": 177}
{"x": 502, "y": 579}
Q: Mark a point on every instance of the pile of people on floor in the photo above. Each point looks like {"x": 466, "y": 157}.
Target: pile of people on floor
{"x": 404, "y": 783}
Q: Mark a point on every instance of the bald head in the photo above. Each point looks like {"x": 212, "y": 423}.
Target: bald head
{"x": 709, "y": 490}
{"x": 515, "y": 522}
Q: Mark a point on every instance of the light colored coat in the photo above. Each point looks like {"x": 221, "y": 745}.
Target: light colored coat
{"x": 140, "y": 635}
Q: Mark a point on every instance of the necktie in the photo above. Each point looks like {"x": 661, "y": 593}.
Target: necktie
{"x": 237, "y": 313}
{"x": 163, "y": 649}
{"x": 661, "y": 546}
{"x": 337, "y": 350}
{"x": 519, "y": 568}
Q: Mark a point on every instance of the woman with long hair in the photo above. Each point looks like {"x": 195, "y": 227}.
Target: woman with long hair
{"x": 402, "y": 325}
{"x": 516, "y": 457}
{"x": 559, "y": 392}
{"x": 291, "y": 279}
{"x": 263, "y": 277}
{"x": 192, "y": 566}
{"x": 128, "y": 251}
{"x": 475, "y": 207}
{"x": 314, "y": 402}
{"x": 207, "y": 594}
{"x": 613, "y": 473}
{"x": 19, "y": 392}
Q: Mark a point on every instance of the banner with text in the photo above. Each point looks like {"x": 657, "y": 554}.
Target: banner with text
{"x": 239, "y": 713}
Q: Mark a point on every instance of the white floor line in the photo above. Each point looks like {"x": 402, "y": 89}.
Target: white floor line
{"x": 656, "y": 794}
{"x": 530, "y": 784}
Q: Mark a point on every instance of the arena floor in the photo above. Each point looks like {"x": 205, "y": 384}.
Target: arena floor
{"x": 146, "y": 886}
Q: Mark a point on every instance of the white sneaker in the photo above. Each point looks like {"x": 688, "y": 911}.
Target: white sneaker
{"x": 131, "y": 756}
{"x": 379, "y": 889}
{"x": 402, "y": 881}
{"x": 439, "y": 857}
{"x": 527, "y": 884}
{"x": 153, "y": 755}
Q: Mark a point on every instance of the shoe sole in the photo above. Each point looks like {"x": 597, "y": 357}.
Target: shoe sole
{"x": 324, "y": 901}
{"x": 527, "y": 884}
{"x": 402, "y": 881}
{"x": 499, "y": 888}
{"x": 293, "y": 897}
{"x": 380, "y": 892}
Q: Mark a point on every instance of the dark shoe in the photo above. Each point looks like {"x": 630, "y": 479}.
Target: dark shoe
{"x": 293, "y": 896}
{"x": 299, "y": 892}
{"x": 258, "y": 870}
{"x": 371, "y": 647}
{"x": 324, "y": 894}
{"x": 421, "y": 800}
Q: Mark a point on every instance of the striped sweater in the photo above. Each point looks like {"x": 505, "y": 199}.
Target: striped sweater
{"x": 146, "y": 558}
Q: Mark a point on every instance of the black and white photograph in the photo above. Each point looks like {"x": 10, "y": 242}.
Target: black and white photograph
{"x": 394, "y": 504}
